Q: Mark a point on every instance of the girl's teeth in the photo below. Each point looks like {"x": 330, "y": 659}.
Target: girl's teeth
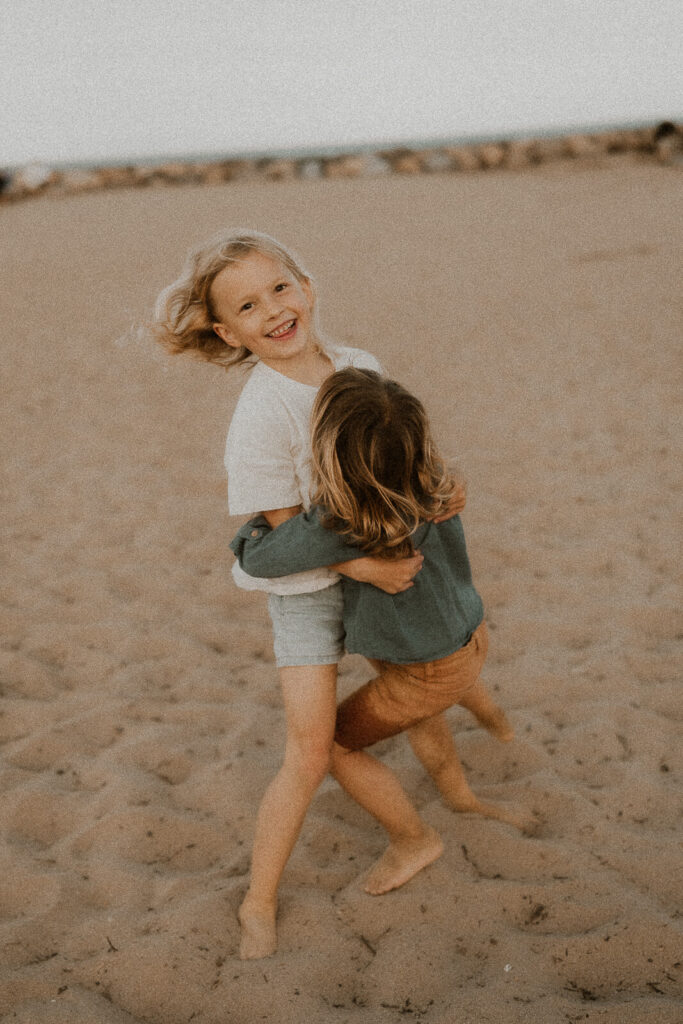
{"x": 281, "y": 330}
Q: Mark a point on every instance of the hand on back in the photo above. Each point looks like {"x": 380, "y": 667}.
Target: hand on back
{"x": 393, "y": 576}
{"x": 455, "y": 506}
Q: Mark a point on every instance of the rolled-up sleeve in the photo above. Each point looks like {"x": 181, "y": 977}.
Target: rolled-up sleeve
{"x": 300, "y": 543}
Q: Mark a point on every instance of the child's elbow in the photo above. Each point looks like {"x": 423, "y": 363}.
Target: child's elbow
{"x": 253, "y": 565}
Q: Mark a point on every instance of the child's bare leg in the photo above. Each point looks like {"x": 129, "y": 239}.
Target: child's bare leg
{"x": 309, "y": 694}
{"x": 487, "y": 712}
{"x": 433, "y": 745}
{"x": 413, "y": 844}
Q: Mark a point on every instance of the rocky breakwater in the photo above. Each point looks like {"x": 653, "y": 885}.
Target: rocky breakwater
{"x": 663, "y": 142}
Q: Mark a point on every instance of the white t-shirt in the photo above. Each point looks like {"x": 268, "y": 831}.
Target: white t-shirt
{"x": 268, "y": 456}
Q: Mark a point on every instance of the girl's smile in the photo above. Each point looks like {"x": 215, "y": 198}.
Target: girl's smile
{"x": 285, "y": 331}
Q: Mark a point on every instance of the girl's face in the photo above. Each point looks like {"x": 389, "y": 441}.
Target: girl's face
{"x": 265, "y": 308}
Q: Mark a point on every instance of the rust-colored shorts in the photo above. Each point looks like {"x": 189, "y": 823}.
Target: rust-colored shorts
{"x": 403, "y": 695}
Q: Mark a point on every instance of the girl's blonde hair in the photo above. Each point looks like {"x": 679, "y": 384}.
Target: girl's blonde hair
{"x": 184, "y": 314}
{"x": 377, "y": 471}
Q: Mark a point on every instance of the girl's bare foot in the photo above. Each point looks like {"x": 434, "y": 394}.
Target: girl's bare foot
{"x": 401, "y": 860}
{"x": 257, "y": 923}
{"x": 466, "y": 802}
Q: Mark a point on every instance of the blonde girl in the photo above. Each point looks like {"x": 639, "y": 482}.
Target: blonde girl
{"x": 244, "y": 298}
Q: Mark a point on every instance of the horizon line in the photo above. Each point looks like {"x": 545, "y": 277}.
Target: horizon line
{"x": 321, "y": 151}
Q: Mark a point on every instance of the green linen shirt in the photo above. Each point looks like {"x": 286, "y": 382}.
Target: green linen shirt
{"x": 430, "y": 620}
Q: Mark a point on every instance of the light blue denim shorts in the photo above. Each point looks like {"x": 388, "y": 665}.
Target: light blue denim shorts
{"x": 308, "y": 629}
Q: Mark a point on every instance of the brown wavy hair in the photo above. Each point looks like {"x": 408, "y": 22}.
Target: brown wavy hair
{"x": 184, "y": 314}
{"x": 377, "y": 471}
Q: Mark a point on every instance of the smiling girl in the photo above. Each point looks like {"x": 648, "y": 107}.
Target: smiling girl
{"x": 244, "y": 297}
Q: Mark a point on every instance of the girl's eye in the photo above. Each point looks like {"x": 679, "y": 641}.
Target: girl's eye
{"x": 247, "y": 305}
{"x": 281, "y": 287}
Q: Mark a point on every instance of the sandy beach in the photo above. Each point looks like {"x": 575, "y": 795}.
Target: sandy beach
{"x": 537, "y": 314}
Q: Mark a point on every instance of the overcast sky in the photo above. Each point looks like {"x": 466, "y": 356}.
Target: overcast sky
{"x": 97, "y": 80}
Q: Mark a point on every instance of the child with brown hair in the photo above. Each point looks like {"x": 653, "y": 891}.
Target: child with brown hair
{"x": 380, "y": 484}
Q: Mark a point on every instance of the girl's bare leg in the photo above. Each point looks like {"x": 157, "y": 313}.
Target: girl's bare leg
{"x": 487, "y": 712}
{"x": 413, "y": 844}
{"x": 433, "y": 745}
{"x": 309, "y": 694}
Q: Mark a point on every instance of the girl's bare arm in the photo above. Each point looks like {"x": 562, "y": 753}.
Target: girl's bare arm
{"x": 277, "y": 516}
{"x": 391, "y": 575}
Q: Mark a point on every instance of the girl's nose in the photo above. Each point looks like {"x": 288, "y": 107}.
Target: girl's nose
{"x": 273, "y": 312}
{"x": 274, "y": 306}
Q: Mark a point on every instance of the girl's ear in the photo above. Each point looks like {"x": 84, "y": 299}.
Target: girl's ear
{"x": 308, "y": 290}
{"x": 224, "y": 334}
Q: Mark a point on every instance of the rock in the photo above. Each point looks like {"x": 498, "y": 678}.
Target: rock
{"x": 520, "y": 153}
{"x": 623, "y": 140}
{"x": 83, "y": 180}
{"x": 278, "y": 169}
{"x": 582, "y": 146}
{"x": 310, "y": 169}
{"x": 667, "y": 143}
{"x": 491, "y": 155}
{"x": 344, "y": 167}
{"x": 375, "y": 165}
{"x": 117, "y": 177}
{"x": 33, "y": 178}
{"x": 611, "y": 142}
{"x": 436, "y": 160}
{"x": 636, "y": 139}
{"x": 550, "y": 149}
{"x": 403, "y": 161}
{"x": 238, "y": 170}
{"x": 176, "y": 172}
{"x": 407, "y": 163}
{"x": 355, "y": 165}
{"x": 211, "y": 174}
{"x": 143, "y": 174}
{"x": 463, "y": 158}
{"x": 216, "y": 172}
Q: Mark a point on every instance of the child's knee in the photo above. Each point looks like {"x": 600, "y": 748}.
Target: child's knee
{"x": 433, "y": 759}
{"x": 338, "y": 757}
{"x": 432, "y": 744}
{"x": 312, "y": 762}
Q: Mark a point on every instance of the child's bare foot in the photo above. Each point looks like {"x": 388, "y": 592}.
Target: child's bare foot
{"x": 401, "y": 860}
{"x": 466, "y": 802}
{"x": 257, "y": 923}
{"x": 521, "y": 818}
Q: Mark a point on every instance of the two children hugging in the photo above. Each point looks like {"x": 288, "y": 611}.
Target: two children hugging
{"x": 358, "y": 545}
